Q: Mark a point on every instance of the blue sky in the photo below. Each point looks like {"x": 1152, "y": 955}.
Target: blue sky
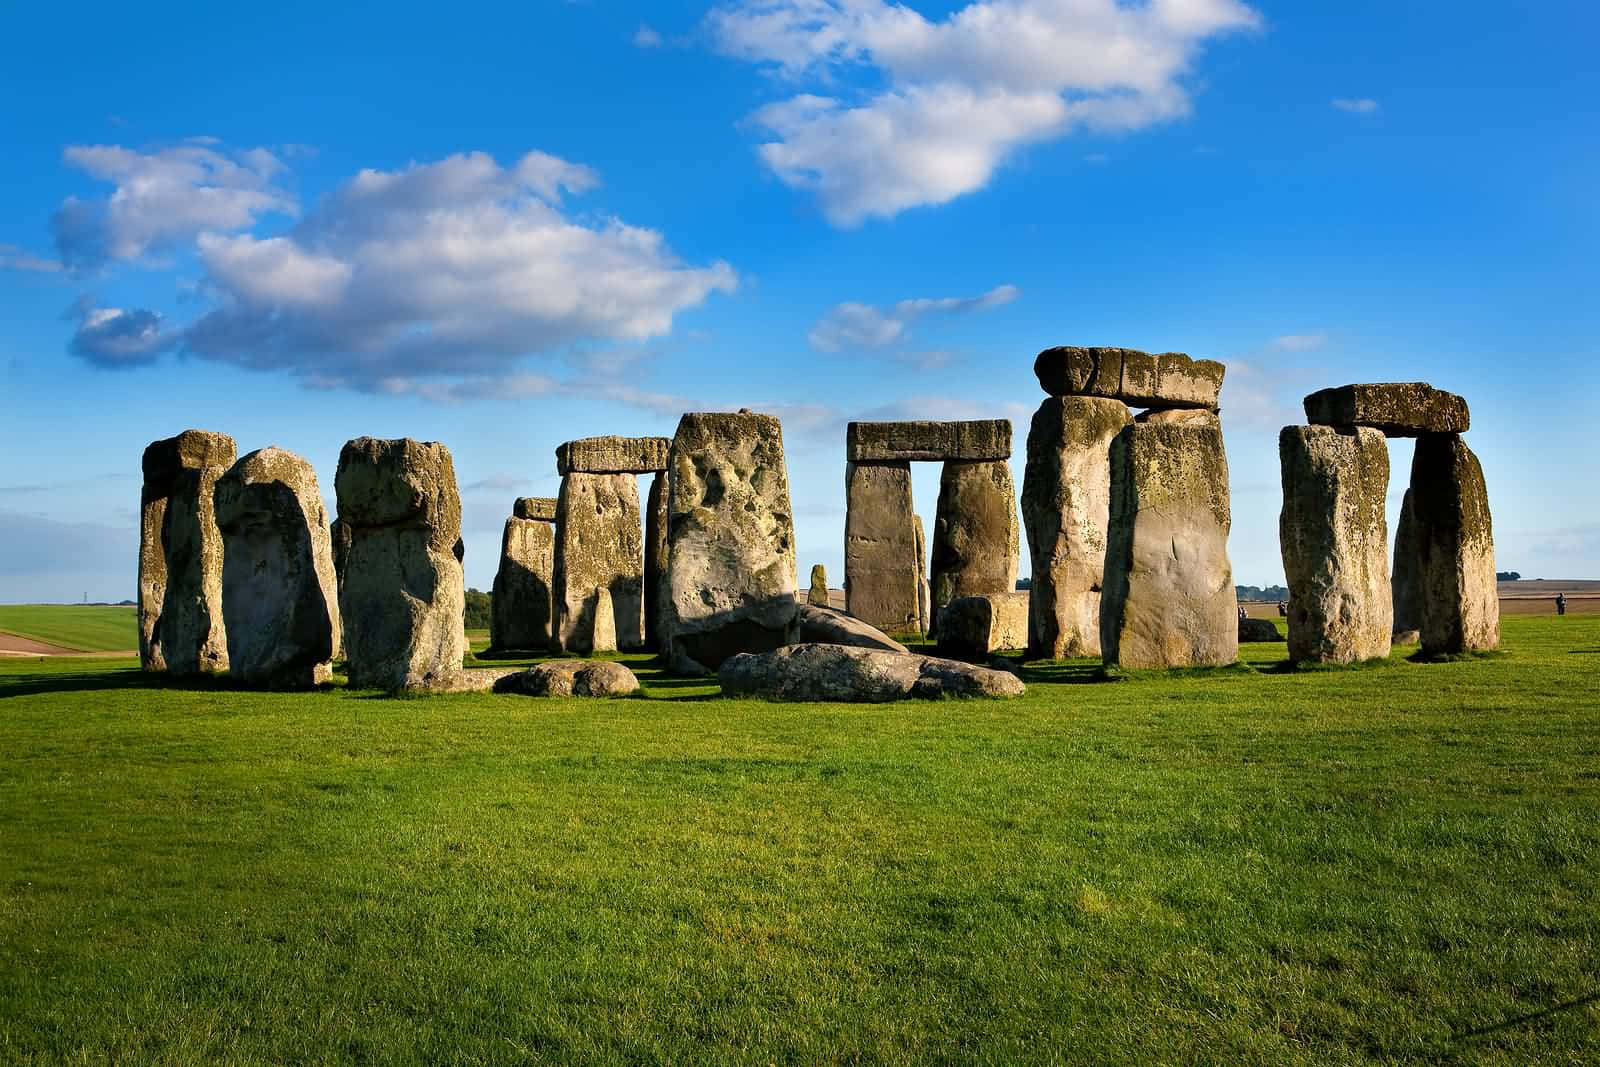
{"x": 504, "y": 227}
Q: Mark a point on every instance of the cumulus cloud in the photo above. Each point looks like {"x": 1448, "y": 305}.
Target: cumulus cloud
{"x": 952, "y": 99}
{"x": 114, "y": 337}
{"x": 1356, "y": 106}
{"x": 853, "y": 325}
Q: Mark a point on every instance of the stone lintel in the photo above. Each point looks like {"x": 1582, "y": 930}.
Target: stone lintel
{"x": 898, "y": 442}
{"x": 612, "y": 455}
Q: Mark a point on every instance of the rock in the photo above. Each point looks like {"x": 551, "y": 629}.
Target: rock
{"x": 1406, "y": 581}
{"x": 522, "y": 609}
{"x": 924, "y": 594}
{"x": 280, "y": 596}
{"x": 880, "y": 561}
{"x": 1138, "y": 379}
{"x": 974, "y": 627}
{"x": 814, "y": 625}
{"x": 1258, "y": 630}
{"x": 1406, "y": 637}
{"x": 730, "y": 556}
{"x": 818, "y": 596}
{"x": 571, "y": 678}
{"x": 1455, "y": 548}
{"x": 835, "y": 673}
{"x": 1398, "y": 409}
{"x": 402, "y": 600}
{"x": 181, "y": 627}
{"x": 900, "y": 442}
{"x": 599, "y": 562}
{"x": 1168, "y": 598}
{"x": 1066, "y": 506}
{"x": 975, "y": 537}
{"x": 612, "y": 455}
{"x": 655, "y": 558}
{"x": 542, "y": 508}
{"x": 1335, "y": 542}
{"x": 341, "y": 537}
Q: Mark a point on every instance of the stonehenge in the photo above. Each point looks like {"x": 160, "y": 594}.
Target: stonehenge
{"x": 655, "y": 557}
{"x": 817, "y": 595}
{"x": 973, "y": 627}
{"x": 975, "y": 533}
{"x": 1404, "y": 579}
{"x": 1455, "y": 548}
{"x": 822, "y": 672}
{"x": 882, "y": 567}
{"x": 1395, "y": 409}
{"x": 522, "y": 608}
{"x": 1138, "y": 379}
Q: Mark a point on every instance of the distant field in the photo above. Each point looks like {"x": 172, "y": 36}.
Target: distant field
{"x": 79, "y": 627}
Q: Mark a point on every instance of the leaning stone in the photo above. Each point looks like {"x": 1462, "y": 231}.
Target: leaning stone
{"x": 402, "y": 601}
{"x": 1066, "y": 505}
{"x": 1258, "y": 630}
{"x": 522, "y": 609}
{"x": 1406, "y": 580}
{"x": 181, "y": 627}
{"x": 1138, "y": 379}
{"x": 1335, "y": 542}
{"x": 571, "y": 678}
{"x": 1398, "y": 409}
{"x": 730, "y": 555}
{"x": 612, "y": 455}
{"x": 542, "y": 508}
{"x": 900, "y": 442}
{"x": 975, "y": 537}
{"x": 655, "y": 558}
{"x": 280, "y": 596}
{"x": 815, "y": 625}
{"x": 818, "y": 595}
{"x": 1455, "y": 548}
{"x": 974, "y": 627}
{"x": 835, "y": 673}
{"x": 599, "y": 564}
{"x": 1168, "y": 598}
{"x": 880, "y": 561}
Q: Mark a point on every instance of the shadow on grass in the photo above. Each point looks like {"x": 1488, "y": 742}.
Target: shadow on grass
{"x": 34, "y": 684}
{"x": 1456, "y": 657}
{"x": 1377, "y": 663}
{"x": 1532, "y": 1016}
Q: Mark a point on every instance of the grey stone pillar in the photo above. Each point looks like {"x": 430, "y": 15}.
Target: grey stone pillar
{"x": 655, "y": 557}
{"x": 975, "y": 535}
{"x": 1455, "y": 547}
{"x": 599, "y": 548}
{"x": 880, "y": 553}
{"x": 522, "y": 610}
{"x": 1406, "y": 582}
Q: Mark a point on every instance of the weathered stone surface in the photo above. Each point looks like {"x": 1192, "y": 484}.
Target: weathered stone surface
{"x": 835, "y": 673}
{"x": 1398, "y": 409}
{"x": 880, "y": 562}
{"x": 1406, "y": 579}
{"x": 402, "y": 600}
{"x": 730, "y": 558}
{"x": 181, "y": 627}
{"x": 1168, "y": 598}
{"x": 975, "y": 535}
{"x": 1258, "y": 630}
{"x": 818, "y": 594}
{"x": 1066, "y": 506}
{"x": 612, "y": 455}
{"x": 341, "y": 535}
{"x": 1455, "y": 547}
{"x": 924, "y": 594}
{"x": 1138, "y": 379}
{"x": 1335, "y": 543}
{"x": 542, "y": 508}
{"x": 815, "y": 625}
{"x": 522, "y": 610}
{"x": 280, "y": 596}
{"x": 975, "y": 627}
{"x": 1406, "y": 637}
{"x": 599, "y": 564}
{"x": 900, "y": 442}
{"x": 655, "y": 558}
{"x": 571, "y": 678}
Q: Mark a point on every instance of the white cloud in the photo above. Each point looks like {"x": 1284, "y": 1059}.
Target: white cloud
{"x": 114, "y": 337}
{"x": 1299, "y": 342}
{"x": 14, "y": 258}
{"x": 647, "y": 37}
{"x": 956, "y": 97}
{"x": 1356, "y": 106}
{"x": 854, "y": 325}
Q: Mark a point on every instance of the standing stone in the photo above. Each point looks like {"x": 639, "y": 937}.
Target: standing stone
{"x": 1455, "y": 548}
{"x": 599, "y": 548}
{"x": 880, "y": 571}
{"x": 924, "y": 596}
{"x": 280, "y": 596}
{"x": 975, "y": 537}
{"x": 522, "y": 608}
{"x": 181, "y": 626}
{"x": 1168, "y": 598}
{"x": 730, "y": 557}
{"x": 1335, "y": 542}
{"x": 655, "y": 558}
{"x": 402, "y": 603}
{"x": 1066, "y": 506}
{"x": 818, "y": 596}
{"x": 974, "y": 627}
{"x": 1407, "y": 582}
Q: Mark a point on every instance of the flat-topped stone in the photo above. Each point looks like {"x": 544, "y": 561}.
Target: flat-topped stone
{"x": 1398, "y": 409}
{"x": 1138, "y": 379}
{"x": 888, "y": 442}
{"x": 613, "y": 455}
{"x": 539, "y": 508}
{"x": 839, "y": 674}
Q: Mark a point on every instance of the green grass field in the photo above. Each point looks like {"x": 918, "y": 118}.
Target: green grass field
{"x": 1388, "y": 864}
{"x": 80, "y": 627}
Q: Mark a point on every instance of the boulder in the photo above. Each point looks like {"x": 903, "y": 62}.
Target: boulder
{"x": 402, "y": 601}
{"x": 814, "y": 625}
{"x": 522, "y": 609}
{"x": 280, "y": 596}
{"x": 612, "y": 455}
{"x": 976, "y": 627}
{"x": 1406, "y": 579}
{"x": 900, "y": 442}
{"x": 655, "y": 558}
{"x": 571, "y": 678}
{"x": 1397, "y": 409}
{"x": 880, "y": 561}
{"x": 1138, "y": 379}
{"x": 1406, "y": 637}
{"x": 1335, "y": 542}
{"x": 1066, "y": 506}
{"x": 975, "y": 537}
{"x": 599, "y": 564}
{"x": 1258, "y": 630}
{"x": 837, "y": 674}
{"x": 1455, "y": 548}
{"x": 181, "y": 628}
{"x": 924, "y": 594}
{"x": 542, "y": 508}
{"x": 1168, "y": 598}
{"x": 817, "y": 596}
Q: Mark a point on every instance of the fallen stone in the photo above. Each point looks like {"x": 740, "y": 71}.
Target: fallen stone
{"x": 1397, "y": 409}
{"x": 1406, "y": 578}
{"x": 818, "y": 594}
{"x": 814, "y": 625}
{"x": 880, "y": 561}
{"x": 837, "y": 674}
{"x": 542, "y": 508}
{"x": 522, "y": 609}
{"x": 900, "y": 442}
{"x": 1258, "y": 630}
{"x": 975, "y": 627}
{"x": 599, "y": 564}
{"x": 1138, "y": 379}
{"x": 655, "y": 558}
{"x": 571, "y": 678}
{"x": 1455, "y": 548}
{"x": 612, "y": 455}
{"x": 975, "y": 535}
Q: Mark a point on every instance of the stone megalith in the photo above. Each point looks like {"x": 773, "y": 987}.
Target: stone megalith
{"x": 818, "y": 594}
{"x": 181, "y": 627}
{"x": 402, "y": 602}
{"x": 1138, "y": 379}
{"x": 1455, "y": 547}
{"x": 880, "y": 562}
{"x": 655, "y": 558}
{"x": 280, "y": 595}
{"x": 975, "y": 535}
{"x": 974, "y": 627}
{"x": 1335, "y": 542}
{"x": 924, "y": 595}
{"x": 523, "y": 606}
{"x": 599, "y": 565}
{"x": 1168, "y": 598}
{"x": 1398, "y": 409}
{"x": 1066, "y": 505}
{"x": 1406, "y": 582}
{"x": 730, "y": 557}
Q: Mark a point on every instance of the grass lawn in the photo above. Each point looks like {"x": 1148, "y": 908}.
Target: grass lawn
{"x": 81, "y": 627}
{"x": 1393, "y": 863}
